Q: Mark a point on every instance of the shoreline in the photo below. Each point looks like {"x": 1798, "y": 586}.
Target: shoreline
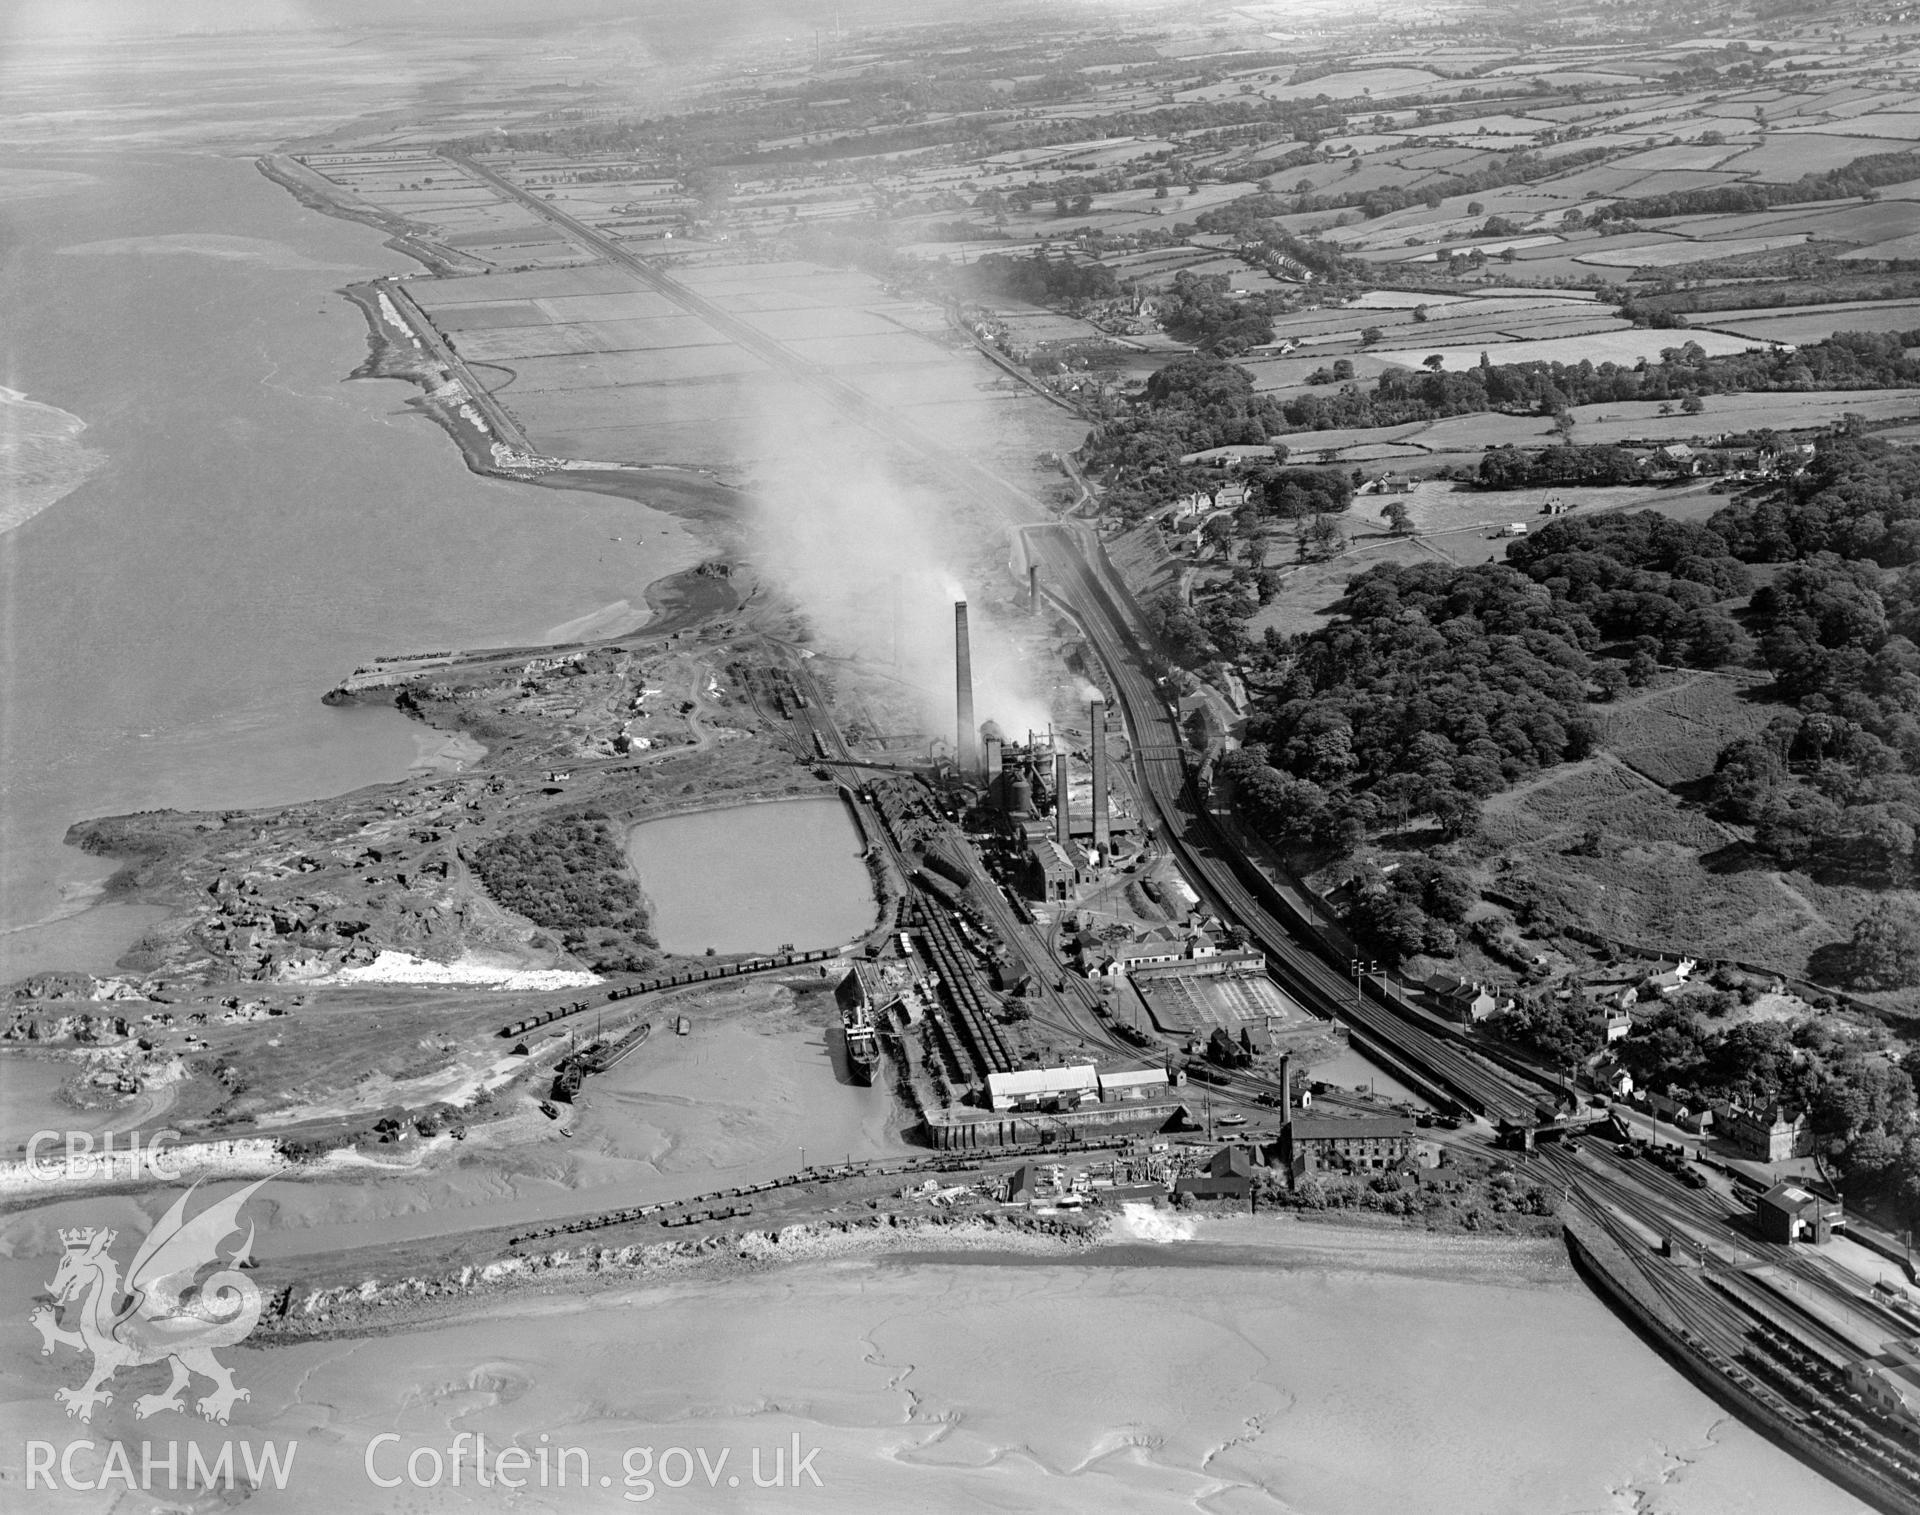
{"x": 401, "y": 348}
{"x": 377, "y": 1306}
{"x": 1599, "y": 1264}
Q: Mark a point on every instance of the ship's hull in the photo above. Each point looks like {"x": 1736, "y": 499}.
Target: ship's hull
{"x": 863, "y": 1048}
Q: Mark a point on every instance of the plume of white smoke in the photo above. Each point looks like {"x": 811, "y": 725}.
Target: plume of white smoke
{"x": 1141, "y": 1222}
{"x": 843, "y": 530}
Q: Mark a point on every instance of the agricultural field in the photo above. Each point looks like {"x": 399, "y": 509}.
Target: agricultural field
{"x": 592, "y": 363}
{"x": 1513, "y": 189}
{"x": 1814, "y": 324}
{"x": 441, "y": 202}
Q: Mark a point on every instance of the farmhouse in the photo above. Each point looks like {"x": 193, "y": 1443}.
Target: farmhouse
{"x": 1466, "y": 1000}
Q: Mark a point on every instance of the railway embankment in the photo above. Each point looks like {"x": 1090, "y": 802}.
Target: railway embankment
{"x": 1809, "y": 1432}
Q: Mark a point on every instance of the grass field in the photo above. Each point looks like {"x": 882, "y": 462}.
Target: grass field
{"x": 1671, "y": 734}
{"x": 1665, "y": 875}
{"x": 1672, "y": 254}
{"x": 1815, "y": 325}
{"x": 1633, "y": 420}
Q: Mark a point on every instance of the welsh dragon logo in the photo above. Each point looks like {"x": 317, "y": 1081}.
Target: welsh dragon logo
{"x": 165, "y": 1312}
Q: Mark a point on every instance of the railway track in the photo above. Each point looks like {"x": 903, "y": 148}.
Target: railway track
{"x": 1235, "y": 888}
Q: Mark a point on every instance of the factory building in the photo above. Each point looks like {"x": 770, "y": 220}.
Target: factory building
{"x": 1127, "y": 958}
{"x": 1362, "y": 1143}
{"x": 1066, "y": 1088}
{"x": 1097, "y": 753}
{"x": 1366, "y": 1143}
{"x": 1056, "y": 871}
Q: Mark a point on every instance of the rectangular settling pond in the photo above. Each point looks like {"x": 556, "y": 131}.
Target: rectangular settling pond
{"x": 751, "y": 877}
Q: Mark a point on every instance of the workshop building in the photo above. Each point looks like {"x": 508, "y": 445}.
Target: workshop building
{"x": 1796, "y": 1212}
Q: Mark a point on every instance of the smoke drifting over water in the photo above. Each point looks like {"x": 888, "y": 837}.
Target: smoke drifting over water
{"x": 840, "y": 531}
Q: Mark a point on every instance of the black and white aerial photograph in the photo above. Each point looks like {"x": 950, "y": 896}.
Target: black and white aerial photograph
{"x": 1059, "y": 757}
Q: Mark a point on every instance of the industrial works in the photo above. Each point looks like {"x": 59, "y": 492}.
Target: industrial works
{"x": 1154, "y": 757}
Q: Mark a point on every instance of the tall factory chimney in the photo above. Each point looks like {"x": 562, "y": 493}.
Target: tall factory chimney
{"x": 1097, "y": 746}
{"x": 1033, "y": 588}
{"x": 1286, "y": 1087}
{"x": 1062, "y": 805}
{"x": 966, "y": 752}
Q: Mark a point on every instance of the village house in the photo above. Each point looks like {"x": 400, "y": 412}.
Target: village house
{"x": 1673, "y": 980}
{"x": 1466, "y": 1000}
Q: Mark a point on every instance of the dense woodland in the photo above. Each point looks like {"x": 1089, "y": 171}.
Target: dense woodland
{"x": 570, "y": 876}
{"x": 1438, "y": 686}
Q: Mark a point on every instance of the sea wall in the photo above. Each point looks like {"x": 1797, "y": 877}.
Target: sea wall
{"x": 298, "y": 1313}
